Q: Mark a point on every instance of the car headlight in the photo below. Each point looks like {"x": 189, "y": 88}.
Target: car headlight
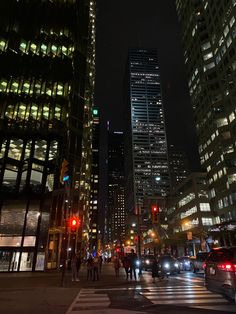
{"x": 147, "y": 261}
{"x": 186, "y": 263}
{"x": 176, "y": 264}
{"x": 167, "y": 265}
{"x": 137, "y": 263}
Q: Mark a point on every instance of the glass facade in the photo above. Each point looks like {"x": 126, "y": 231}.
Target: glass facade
{"x": 147, "y": 127}
{"x": 208, "y": 33}
{"x": 46, "y": 86}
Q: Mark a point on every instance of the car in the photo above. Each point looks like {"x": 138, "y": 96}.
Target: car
{"x": 185, "y": 263}
{"x": 220, "y": 271}
{"x": 199, "y": 262}
{"x": 146, "y": 261}
{"x": 169, "y": 264}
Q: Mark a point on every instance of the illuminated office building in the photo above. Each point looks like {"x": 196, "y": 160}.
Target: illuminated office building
{"x": 93, "y": 210}
{"x": 47, "y": 51}
{"x": 146, "y": 145}
{"x": 209, "y": 41}
{"x": 116, "y": 211}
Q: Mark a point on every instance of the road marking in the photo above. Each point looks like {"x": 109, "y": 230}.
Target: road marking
{"x": 88, "y": 299}
{"x": 184, "y": 295}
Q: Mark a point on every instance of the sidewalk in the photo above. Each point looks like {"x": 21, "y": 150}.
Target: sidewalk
{"x": 41, "y": 293}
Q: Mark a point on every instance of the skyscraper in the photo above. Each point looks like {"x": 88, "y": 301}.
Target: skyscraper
{"x": 47, "y": 51}
{"x": 116, "y": 210}
{"x": 208, "y": 33}
{"x": 93, "y": 211}
{"x": 146, "y": 145}
{"x": 178, "y": 165}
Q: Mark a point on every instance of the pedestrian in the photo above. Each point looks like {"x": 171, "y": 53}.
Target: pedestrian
{"x": 126, "y": 265}
{"x": 95, "y": 268}
{"x": 90, "y": 268}
{"x": 116, "y": 264}
{"x": 133, "y": 264}
{"x": 78, "y": 264}
{"x": 100, "y": 264}
{"x": 155, "y": 268}
{"x": 74, "y": 270}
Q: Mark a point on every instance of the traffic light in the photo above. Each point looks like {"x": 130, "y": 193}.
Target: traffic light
{"x": 64, "y": 175}
{"x": 155, "y": 211}
{"x": 74, "y": 223}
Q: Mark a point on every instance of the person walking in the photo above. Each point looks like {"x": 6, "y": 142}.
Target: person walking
{"x": 126, "y": 265}
{"x": 116, "y": 263}
{"x": 133, "y": 263}
{"x": 95, "y": 268}
{"x": 100, "y": 264}
{"x": 90, "y": 268}
{"x": 74, "y": 268}
{"x": 155, "y": 268}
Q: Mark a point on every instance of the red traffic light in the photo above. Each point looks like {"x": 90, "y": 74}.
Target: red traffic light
{"x": 74, "y": 223}
{"x": 154, "y": 208}
{"x": 155, "y": 212}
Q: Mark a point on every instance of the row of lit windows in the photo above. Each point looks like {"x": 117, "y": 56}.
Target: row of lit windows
{"x": 40, "y": 148}
{"x": 220, "y": 122}
{"x": 34, "y": 111}
{"x": 186, "y": 199}
{"x": 40, "y": 48}
{"x": 38, "y": 87}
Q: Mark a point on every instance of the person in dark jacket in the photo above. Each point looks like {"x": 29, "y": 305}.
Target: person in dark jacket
{"x": 155, "y": 268}
{"x": 133, "y": 260}
{"x": 126, "y": 265}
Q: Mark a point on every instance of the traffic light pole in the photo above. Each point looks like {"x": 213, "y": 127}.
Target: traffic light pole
{"x": 139, "y": 242}
{"x": 66, "y": 235}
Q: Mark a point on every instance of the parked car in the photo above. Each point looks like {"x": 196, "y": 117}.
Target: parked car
{"x": 184, "y": 263}
{"x": 199, "y": 262}
{"x": 220, "y": 271}
{"x": 146, "y": 261}
{"x": 169, "y": 264}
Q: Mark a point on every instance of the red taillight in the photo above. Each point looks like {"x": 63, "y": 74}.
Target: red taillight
{"x": 227, "y": 267}
{"x": 203, "y": 265}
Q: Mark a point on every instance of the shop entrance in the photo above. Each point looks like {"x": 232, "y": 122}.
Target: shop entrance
{"x": 10, "y": 259}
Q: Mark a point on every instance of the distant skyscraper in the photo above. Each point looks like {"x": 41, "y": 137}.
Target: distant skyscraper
{"x": 209, "y": 40}
{"x": 146, "y": 155}
{"x": 93, "y": 212}
{"x": 116, "y": 211}
{"x": 178, "y": 165}
{"x": 47, "y": 53}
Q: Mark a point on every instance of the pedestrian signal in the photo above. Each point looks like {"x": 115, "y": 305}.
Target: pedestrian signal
{"x": 64, "y": 175}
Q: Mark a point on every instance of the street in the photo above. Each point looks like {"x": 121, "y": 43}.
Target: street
{"x": 41, "y": 292}
{"x": 184, "y": 292}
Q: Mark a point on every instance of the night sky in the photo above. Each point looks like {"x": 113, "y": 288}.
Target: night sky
{"x": 148, "y": 24}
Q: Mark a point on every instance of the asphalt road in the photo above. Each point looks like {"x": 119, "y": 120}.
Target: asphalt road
{"x": 41, "y": 293}
{"x": 184, "y": 292}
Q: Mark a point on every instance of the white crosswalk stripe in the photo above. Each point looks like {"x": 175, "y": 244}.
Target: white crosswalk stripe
{"x": 187, "y": 295}
{"x": 89, "y": 299}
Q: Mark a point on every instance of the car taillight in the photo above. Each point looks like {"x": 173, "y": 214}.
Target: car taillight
{"x": 227, "y": 267}
{"x": 203, "y": 265}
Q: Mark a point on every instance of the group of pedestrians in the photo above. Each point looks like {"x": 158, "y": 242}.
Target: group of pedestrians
{"x": 94, "y": 267}
{"x": 93, "y": 263}
{"x": 129, "y": 263}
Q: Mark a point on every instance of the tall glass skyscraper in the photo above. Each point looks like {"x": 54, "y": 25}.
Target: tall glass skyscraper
{"x": 146, "y": 145}
{"x": 209, "y": 41}
{"x": 116, "y": 212}
{"x": 47, "y": 52}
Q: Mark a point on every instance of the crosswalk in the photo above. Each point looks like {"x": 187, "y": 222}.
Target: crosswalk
{"x": 189, "y": 295}
{"x": 193, "y": 296}
{"x": 89, "y": 299}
